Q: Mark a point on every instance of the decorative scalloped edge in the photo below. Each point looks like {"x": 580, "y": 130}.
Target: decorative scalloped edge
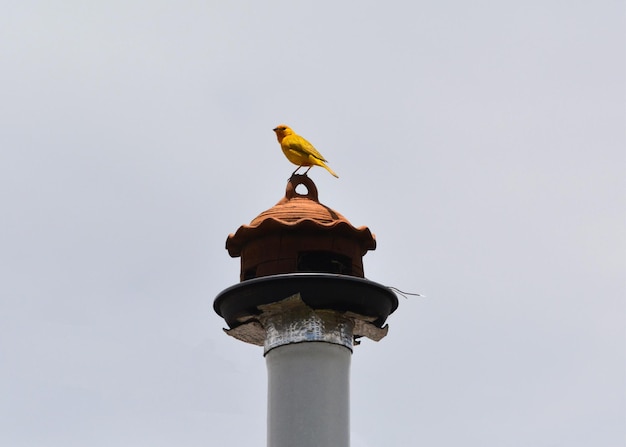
{"x": 234, "y": 241}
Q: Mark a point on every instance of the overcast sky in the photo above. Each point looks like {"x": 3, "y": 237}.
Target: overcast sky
{"x": 482, "y": 142}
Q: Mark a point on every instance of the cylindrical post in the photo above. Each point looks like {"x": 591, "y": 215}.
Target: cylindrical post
{"x": 308, "y": 395}
{"x": 308, "y": 367}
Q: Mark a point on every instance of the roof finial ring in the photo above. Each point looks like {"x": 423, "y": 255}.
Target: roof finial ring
{"x": 297, "y": 180}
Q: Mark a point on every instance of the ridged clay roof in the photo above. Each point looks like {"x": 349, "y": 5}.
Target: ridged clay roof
{"x": 298, "y": 211}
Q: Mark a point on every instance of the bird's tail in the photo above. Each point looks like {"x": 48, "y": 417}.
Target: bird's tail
{"x": 329, "y": 170}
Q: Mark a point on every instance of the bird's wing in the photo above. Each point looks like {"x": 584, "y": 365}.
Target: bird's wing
{"x": 300, "y": 145}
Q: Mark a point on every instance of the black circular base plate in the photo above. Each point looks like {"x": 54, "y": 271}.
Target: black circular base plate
{"x": 318, "y": 290}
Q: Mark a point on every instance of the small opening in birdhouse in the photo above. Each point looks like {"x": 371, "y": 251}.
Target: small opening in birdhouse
{"x": 302, "y": 190}
{"x": 324, "y": 262}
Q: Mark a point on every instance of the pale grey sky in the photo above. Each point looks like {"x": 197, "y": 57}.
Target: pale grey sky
{"x": 482, "y": 142}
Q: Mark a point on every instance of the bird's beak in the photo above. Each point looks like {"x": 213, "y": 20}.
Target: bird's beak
{"x": 274, "y": 129}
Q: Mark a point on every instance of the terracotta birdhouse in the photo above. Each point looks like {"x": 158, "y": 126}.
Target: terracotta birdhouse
{"x": 299, "y": 234}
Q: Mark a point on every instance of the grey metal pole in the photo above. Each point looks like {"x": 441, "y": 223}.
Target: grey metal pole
{"x": 308, "y": 395}
{"x": 308, "y": 366}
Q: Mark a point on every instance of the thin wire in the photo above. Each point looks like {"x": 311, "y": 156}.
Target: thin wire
{"x": 404, "y": 294}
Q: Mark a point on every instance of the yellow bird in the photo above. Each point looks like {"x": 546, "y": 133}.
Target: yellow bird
{"x": 299, "y": 151}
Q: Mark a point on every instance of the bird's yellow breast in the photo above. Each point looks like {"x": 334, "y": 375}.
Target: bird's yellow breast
{"x": 295, "y": 149}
